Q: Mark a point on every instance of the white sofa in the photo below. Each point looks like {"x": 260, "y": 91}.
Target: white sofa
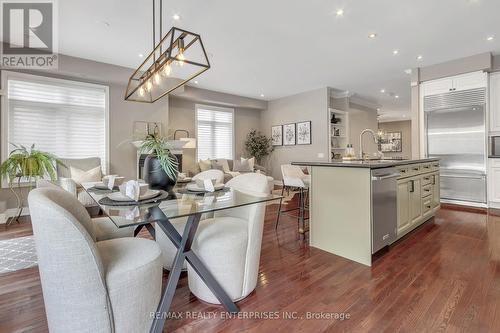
{"x": 89, "y": 286}
{"x": 230, "y": 243}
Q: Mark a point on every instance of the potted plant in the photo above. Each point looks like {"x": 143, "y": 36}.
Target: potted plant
{"x": 258, "y": 145}
{"x": 160, "y": 166}
{"x": 27, "y": 164}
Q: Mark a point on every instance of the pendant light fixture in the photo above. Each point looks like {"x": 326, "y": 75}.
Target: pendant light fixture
{"x": 177, "y": 58}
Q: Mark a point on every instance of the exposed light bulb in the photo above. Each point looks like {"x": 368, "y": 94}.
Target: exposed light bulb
{"x": 141, "y": 91}
{"x": 167, "y": 70}
{"x": 180, "y": 57}
{"x": 340, "y": 12}
{"x": 157, "y": 78}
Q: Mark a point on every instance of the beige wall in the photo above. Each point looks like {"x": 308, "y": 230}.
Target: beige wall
{"x": 405, "y": 128}
{"x": 122, "y": 113}
{"x": 182, "y": 116}
{"x": 311, "y": 105}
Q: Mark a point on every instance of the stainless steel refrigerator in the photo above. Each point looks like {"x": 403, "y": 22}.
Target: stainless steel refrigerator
{"x": 455, "y": 128}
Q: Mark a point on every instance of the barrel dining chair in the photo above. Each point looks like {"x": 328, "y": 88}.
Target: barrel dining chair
{"x": 103, "y": 227}
{"x": 89, "y": 286}
{"x": 295, "y": 178}
{"x": 229, "y": 244}
{"x": 168, "y": 249}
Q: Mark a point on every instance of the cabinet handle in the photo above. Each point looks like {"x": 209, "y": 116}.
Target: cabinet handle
{"x": 428, "y": 206}
{"x": 412, "y": 183}
{"x": 433, "y": 179}
{"x": 427, "y": 178}
{"x": 415, "y": 169}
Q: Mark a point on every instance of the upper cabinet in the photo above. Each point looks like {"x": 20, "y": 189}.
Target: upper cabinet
{"x": 455, "y": 83}
{"x": 495, "y": 102}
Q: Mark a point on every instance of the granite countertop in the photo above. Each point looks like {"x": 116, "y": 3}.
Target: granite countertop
{"x": 371, "y": 164}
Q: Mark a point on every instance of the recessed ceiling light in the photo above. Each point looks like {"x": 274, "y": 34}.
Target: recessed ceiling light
{"x": 396, "y": 96}
{"x": 490, "y": 38}
{"x": 378, "y": 109}
{"x": 395, "y": 52}
{"x": 419, "y": 57}
{"x": 382, "y": 91}
{"x": 195, "y": 82}
{"x": 261, "y": 95}
{"x": 141, "y": 55}
{"x": 372, "y": 35}
{"x": 340, "y": 12}
{"x": 176, "y": 17}
{"x": 408, "y": 71}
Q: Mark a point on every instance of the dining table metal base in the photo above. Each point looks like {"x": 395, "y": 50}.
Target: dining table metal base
{"x": 184, "y": 252}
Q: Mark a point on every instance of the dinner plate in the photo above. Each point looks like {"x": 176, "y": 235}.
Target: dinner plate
{"x": 101, "y": 186}
{"x": 117, "y": 196}
{"x": 195, "y": 188}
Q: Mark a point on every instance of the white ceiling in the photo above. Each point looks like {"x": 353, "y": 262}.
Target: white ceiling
{"x": 282, "y": 47}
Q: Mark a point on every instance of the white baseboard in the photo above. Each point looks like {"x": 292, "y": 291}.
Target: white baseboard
{"x": 11, "y": 212}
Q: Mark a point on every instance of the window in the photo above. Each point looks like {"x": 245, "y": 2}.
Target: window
{"x": 214, "y": 132}
{"x": 65, "y": 118}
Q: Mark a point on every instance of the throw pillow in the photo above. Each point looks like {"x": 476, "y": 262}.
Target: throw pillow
{"x": 224, "y": 163}
{"x": 82, "y": 176}
{"x": 217, "y": 166}
{"x": 205, "y": 165}
{"x": 242, "y": 166}
{"x": 251, "y": 162}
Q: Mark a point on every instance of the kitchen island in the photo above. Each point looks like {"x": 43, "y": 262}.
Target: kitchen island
{"x": 358, "y": 207}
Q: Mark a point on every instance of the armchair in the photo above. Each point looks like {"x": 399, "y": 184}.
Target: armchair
{"x": 69, "y": 184}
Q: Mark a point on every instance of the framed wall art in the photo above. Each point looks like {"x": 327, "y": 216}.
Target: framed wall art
{"x": 304, "y": 133}
{"x": 289, "y": 136}
{"x": 277, "y": 135}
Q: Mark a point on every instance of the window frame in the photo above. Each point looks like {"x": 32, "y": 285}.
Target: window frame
{"x": 4, "y": 117}
{"x": 214, "y": 108}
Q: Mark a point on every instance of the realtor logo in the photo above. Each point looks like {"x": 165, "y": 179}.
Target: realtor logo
{"x": 28, "y": 34}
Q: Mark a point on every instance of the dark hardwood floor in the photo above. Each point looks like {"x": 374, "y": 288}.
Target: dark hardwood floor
{"x": 445, "y": 276}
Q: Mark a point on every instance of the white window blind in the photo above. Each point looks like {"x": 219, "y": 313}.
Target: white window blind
{"x": 214, "y": 129}
{"x": 65, "y": 118}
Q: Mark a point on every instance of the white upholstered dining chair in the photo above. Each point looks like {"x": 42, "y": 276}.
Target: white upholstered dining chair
{"x": 229, "y": 244}
{"x": 89, "y": 286}
{"x": 103, "y": 227}
{"x": 168, "y": 249}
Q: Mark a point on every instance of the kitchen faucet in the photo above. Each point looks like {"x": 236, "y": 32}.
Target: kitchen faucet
{"x": 361, "y": 154}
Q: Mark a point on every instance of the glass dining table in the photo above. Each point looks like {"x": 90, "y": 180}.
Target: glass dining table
{"x": 179, "y": 203}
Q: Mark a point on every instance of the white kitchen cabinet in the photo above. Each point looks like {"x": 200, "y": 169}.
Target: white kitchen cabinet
{"x": 439, "y": 86}
{"x": 494, "y": 108}
{"x": 455, "y": 83}
{"x": 494, "y": 181}
{"x": 415, "y": 200}
{"x": 470, "y": 81}
{"x": 403, "y": 199}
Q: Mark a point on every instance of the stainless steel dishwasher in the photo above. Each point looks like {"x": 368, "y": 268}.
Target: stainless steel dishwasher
{"x": 384, "y": 207}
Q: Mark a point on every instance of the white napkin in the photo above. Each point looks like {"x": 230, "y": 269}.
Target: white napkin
{"x": 131, "y": 189}
{"x": 207, "y": 184}
{"x": 111, "y": 181}
{"x": 132, "y": 214}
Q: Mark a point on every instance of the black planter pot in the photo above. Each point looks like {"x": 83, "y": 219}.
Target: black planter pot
{"x": 155, "y": 176}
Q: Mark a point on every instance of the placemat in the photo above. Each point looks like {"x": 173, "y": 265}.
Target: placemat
{"x": 94, "y": 189}
{"x": 186, "y": 191}
{"x": 162, "y": 196}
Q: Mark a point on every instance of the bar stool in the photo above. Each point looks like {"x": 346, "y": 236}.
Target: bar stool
{"x": 295, "y": 178}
